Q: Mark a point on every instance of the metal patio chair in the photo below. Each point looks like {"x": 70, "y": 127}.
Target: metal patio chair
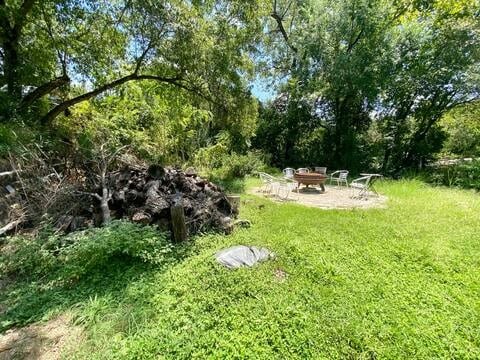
{"x": 285, "y": 187}
{"x": 340, "y": 177}
{"x": 267, "y": 182}
{"x": 361, "y": 186}
{"x": 302, "y": 171}
{"x": 288, "y": 173}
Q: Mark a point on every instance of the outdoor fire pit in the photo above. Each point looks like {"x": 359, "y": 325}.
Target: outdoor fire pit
{"x": 308, "y": 179}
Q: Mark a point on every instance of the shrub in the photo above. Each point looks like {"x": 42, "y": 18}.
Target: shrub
{"x": 13, "y": 135}
{"x": 219, "y": 165}
{"x": 22, "y": 255}
{"x": 76, "y": 254}
{"x": 238, "y": 166}
{"x": 464, "y": 174}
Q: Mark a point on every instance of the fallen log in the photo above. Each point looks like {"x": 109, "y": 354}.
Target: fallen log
{"x": 10, "y": 226}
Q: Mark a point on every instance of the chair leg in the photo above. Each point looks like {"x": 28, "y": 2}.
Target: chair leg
{"x": 363, "y": 193}
{"x": 353, "y": 193}
{"x": 270, "y": 189}
{"x": 278, "y": 191}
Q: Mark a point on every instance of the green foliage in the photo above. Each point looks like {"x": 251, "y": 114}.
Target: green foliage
{"x": 13, "y": 135}
{"x": 380, "y": 283}
{"x": 462, "y": 126}
{"x": 220, "y": 165}
{"x": 465, "y": 174}
{"x": 65, "y": 49}
{"x": 290, "y": 135}
{"x": 158, "y": 127}
{"x": 397, "y": 66}
{"x": 77, "y": 254}
{"x": 238, "y": 166}
{"x": 26, "y": 256}
{"x": 157, "y": 123}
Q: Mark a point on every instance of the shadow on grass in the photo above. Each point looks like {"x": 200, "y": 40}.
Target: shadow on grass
{"x": 27, "y": 300}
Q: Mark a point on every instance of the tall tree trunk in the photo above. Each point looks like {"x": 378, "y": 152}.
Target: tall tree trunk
{"x": 10, "y": 34}
{"x": 10, "y": 67}
{"x": 386, "y": 158}
{"x": 419, "y": 135}
{"x": 106, "y": 196}
{"x": 106, "y": 217}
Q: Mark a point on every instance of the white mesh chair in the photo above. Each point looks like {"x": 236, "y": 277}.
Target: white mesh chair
{"x": 267, "y": 182}
{"x": 361, "y": 187}
{"x": 302, "y": 170}
{"x": 321, "y": 170}
{"x": 288, "y": 173}
{"x": 285, "y": 187}
{"x": 270, "y": 184}
{"x": 340, "y": 177}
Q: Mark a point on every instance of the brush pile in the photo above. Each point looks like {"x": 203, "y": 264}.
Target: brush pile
{"x": 140, "y": 193}
{"x": 145, "y": 195}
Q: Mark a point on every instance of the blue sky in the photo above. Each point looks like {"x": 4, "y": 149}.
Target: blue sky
{"x": 262, "y": 90}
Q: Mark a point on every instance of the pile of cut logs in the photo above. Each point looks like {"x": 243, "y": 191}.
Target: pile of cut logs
{"x": 158, "y": 195}
{"x": 175, "y": 200}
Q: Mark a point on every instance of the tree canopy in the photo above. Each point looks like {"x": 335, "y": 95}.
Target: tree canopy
{"x": 359, "y": 83}
{"x": 370, "y": 65}
{"x": 67, "y": 51}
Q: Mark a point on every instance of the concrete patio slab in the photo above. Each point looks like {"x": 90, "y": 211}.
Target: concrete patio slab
{"x": 333, "y": 198}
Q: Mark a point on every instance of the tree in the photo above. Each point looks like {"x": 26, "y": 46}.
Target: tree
{"x": 462, "y": 126}
{"x": 434, "y": 67}
{"x": 198, "y": 47}
{"x": 396, "y": 65}
{"x": 337, "y": 67}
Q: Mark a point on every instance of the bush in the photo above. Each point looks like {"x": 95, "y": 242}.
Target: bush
{"x": 77, "y": 254}
{"x": 464, "y": 174}
{"x": 238, "y": 166}
{"x": 219, "y": 165}
{"x": 13, "y": 135}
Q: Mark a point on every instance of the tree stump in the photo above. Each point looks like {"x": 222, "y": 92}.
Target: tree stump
{"x": 234, "y": 201}
{"x": 179, "y": 227}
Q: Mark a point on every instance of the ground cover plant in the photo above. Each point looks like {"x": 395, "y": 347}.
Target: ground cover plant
{"x": 400, "y": 282}
{"x": 226, "y": 89}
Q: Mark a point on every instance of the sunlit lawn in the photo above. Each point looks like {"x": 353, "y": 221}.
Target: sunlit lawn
{"x": 397, "y": 283}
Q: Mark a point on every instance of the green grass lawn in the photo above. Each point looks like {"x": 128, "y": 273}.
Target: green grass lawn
{"x": 397, "y": 283}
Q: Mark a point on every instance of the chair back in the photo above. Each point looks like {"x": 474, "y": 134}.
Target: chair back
{"x": 302, "y": 170}
{"x": 321, "y": 170}
{"x": 288, "y": 172}
{"x": 343, "y": 175}
{"x": 367, "y": 180}
{"x": 265, "y": 177}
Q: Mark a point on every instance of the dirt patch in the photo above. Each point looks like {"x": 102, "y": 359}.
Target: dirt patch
{"x": 280, "y": 275}
{"x": 333, "y": 198}
{"x": 41, "y": 341}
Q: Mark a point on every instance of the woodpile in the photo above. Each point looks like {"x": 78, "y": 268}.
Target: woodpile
{"x": 147, "y": 196}
{"x": 174, "y": 200}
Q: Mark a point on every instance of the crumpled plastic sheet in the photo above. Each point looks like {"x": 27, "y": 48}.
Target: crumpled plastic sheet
{"x": 241, "y": 255}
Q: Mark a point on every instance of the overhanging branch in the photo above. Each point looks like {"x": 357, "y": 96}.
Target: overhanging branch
{"x": 279, "y": 20}
{"x": 44, "y": 89}
{"x": 175, "y": 81}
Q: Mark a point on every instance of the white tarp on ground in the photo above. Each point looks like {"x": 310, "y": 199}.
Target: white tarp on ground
{"x": 240, "y": 255}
